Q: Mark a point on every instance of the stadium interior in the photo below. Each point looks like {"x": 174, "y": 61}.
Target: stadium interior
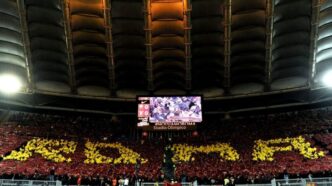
{"x": 191, "y": 92}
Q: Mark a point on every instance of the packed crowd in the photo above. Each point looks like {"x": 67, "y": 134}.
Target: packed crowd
{"x": 91, "y": 150}
{"x": 244, "y": 133}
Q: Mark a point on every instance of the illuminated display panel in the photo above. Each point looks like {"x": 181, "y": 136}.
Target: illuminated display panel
{"x": 169, "y": 112}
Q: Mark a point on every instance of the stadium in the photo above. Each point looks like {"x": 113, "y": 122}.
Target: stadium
{"x": 166, "y": 92}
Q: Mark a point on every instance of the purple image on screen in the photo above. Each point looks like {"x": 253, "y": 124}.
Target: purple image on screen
{"x": 175, "y": 109}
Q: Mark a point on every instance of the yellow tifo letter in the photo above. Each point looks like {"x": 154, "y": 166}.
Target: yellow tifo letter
{"x": 46, "y": 149}
{"x": 183, "y": 152}
{"x": 264, "y": 150}
{"x": 127, "y": 156}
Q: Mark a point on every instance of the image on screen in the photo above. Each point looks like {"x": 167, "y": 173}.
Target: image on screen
{"x": 175, "y": 109}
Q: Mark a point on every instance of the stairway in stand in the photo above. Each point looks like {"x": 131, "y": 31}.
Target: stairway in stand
{"x": 168, "y": 165}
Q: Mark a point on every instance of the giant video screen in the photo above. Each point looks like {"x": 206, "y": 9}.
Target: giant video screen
{"x": 169, "y": 112}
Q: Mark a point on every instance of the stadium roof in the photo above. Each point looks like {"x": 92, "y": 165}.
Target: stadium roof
{"x": 113, "y": 50}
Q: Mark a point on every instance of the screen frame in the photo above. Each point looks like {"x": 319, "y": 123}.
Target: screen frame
{"x": 154, "y": 96}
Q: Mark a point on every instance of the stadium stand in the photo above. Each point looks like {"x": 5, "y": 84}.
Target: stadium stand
{"x": 206, "y": 168}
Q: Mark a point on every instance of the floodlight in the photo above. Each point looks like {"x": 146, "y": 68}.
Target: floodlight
{"x": 9, "y": 83}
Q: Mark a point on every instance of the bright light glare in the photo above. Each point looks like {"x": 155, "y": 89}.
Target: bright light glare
{"x": 9, "y": 84}
{"x": 327, "y": 78}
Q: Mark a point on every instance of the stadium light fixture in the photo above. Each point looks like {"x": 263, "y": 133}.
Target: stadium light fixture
{"x": 327, "y": 78}
{"x": 9, "y": 84}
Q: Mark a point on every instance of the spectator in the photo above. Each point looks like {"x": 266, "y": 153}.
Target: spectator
{"x": 126, "y": 181}
{"x": 286, "y": 176}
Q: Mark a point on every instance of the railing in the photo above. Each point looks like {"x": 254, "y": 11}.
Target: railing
{"x": 275, "y": 182}
{"x": 162, "y": 184}
{"x": 261, "y": 184}
{"x": 8, "y": 182}
{"x": 303, "y": 182}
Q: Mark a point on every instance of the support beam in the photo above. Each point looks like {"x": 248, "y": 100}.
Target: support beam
{"x": 313, "y": 40}
{"x": 26, "y": 43}
{"x": 268, "y": 42}
{"x": 227, "y": 44}
{"x": 148, "y": 42}
{"x": 187, "y": 40}
{"x": 109, "y": 42}
{"x": 69, "y": 43}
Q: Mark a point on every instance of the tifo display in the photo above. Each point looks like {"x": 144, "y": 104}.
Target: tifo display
{"x": 249, "y": 149}
{"x": 169, "y": 113}
{"x": 263, "y": 151}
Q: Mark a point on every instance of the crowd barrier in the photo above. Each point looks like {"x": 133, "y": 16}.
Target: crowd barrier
{"x": 275, "y": 182}
{"x": 163, "y": 184}
{"x": 327, "y": 181}
{"x": 9, "y": 182}
{"x": 303, "y": 182}
{"x": 264, "y": 184}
